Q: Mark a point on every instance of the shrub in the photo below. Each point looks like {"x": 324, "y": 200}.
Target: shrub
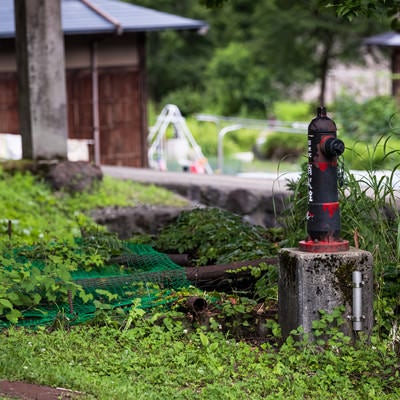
{"x": 187, "y": 99}
{"x": 211, "y": 235}
{"x": 244, "y": 138}
{"x": 278, "y": 146}
{"x": 293, "y": 111}
{"x": 206, "y": 135}
{"x": 368, "y": 120}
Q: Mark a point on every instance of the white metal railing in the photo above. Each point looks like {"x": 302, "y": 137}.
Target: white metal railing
{"x": 278, "y": 125}
{"x": 236, "y": 124}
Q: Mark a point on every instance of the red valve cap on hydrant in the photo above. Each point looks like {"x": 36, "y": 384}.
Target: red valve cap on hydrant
{"x": 323, "y": 215}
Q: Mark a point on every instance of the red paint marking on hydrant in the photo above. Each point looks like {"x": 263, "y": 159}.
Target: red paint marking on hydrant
{"x": 331, "y": 208}
{"x": 323, "y": 166}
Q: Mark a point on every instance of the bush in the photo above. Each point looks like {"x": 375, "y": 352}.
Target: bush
{"x": 214, "y": 236}
{"x": 186, "y": 99}
{"x": 244, "y": 138}
{"x": 297, "y": 111}
{"x": 369, "y": 120}
{"x": 278, "y": 146}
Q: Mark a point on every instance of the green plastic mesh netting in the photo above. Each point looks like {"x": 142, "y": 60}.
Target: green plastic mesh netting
{"x": 138, "y": 272}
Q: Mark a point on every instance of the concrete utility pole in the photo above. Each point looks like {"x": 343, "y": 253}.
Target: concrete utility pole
{"x": 41, "y": 79}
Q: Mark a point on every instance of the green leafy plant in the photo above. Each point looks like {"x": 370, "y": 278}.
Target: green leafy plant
{"x": 41, "y": 274}
{"x": 382, "y": 154}
{"x": 214, "y": 236}
{"x": 327, "y": 329}
{"x": 32, "y": 212}
{"x": 375, "y": 117}
{"x": 36, "y": 264}
{"x": 157, "y": 359}
{"x": 282, "y": 146}
{"x": 112, "y": 192}
{"x": 26, "y": 284}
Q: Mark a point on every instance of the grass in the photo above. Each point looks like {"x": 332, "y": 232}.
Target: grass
{"x": 112, "y": 192}
{"x": 154, "y": 361}
{"x": 37, "y": 213}
{"x": 163, "y": 355}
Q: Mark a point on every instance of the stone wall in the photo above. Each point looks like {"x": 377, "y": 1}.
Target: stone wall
{"x": 257, "y": 207}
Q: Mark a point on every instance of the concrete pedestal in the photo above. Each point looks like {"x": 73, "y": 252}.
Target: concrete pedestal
{"x": 310, "y": 282}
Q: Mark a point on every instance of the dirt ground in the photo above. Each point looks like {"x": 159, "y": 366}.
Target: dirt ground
{"x": 28, "y": 391}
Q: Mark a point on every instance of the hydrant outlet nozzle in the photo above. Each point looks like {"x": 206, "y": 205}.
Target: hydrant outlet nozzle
{"x": 333, "y": 147}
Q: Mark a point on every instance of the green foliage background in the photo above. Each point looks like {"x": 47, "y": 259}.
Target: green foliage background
{"x": 253, "y": 54}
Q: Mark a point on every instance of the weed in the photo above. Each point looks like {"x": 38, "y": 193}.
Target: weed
{"x": 214, "y": 236}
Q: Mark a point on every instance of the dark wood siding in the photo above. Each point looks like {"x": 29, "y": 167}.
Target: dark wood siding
{"x": 122, "y": 102}
{"x": 122, "y": 127}
{"x": 79, "y": 95}
{"x": 8, "y": 103}
{"x": 122, "y": 134}
{"x": 120, "y": 117}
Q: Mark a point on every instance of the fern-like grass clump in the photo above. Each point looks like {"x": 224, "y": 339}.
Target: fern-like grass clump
{"x": 215, "y": 236}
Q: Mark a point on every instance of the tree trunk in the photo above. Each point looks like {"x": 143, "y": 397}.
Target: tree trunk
{"x": 325, "y": 66}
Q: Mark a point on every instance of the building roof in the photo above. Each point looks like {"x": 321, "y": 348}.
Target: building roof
{"x": 104, "y": 16}
{"x": 391, "y": 39}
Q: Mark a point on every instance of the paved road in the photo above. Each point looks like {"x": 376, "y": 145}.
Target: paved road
{"x": 270, "y": 183}
{"x": 267, "y": 183}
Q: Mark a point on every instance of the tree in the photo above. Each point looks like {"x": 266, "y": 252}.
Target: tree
{"x": 176, "y": 59}
{"x": 238, "y": 81}
{"x": 291, "y": 42}
{"x": 349, "y": 9}
{"x": 234, "y": 79}
{"x": 377, "y": 9}
{"x": 255, "y": 52}
{"x": 301, "y": 41}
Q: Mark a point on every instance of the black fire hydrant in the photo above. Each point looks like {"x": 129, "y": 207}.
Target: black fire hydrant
{"x": 323, "y": 215}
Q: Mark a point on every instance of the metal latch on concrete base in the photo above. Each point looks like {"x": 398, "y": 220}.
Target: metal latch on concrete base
{"x": 357, "y": 317}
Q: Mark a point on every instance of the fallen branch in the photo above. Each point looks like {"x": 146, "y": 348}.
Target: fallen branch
{"x": 217, "y": 276}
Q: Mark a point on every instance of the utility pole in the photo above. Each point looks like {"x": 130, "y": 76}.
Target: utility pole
{"x": 41, "y": 79}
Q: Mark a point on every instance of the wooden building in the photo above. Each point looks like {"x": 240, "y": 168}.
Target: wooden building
{"x": 390, "y": 40}
{"x": 105, "y": 61}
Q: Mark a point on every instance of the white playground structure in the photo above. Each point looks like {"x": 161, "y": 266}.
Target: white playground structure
{"x": 181, "y": 148}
